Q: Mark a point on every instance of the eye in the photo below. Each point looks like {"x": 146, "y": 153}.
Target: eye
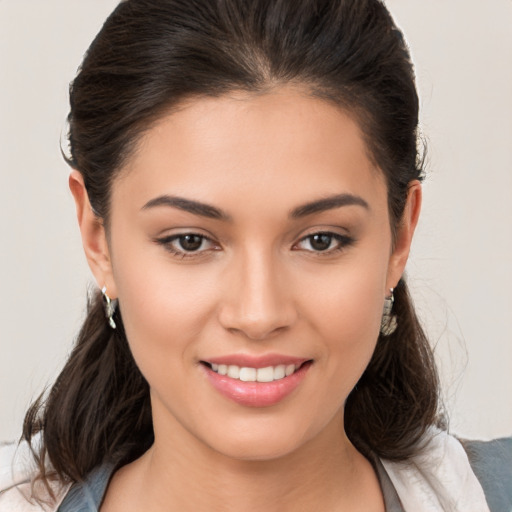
{"x": 190, "y": 242}
{"x": 325, "y": 242}
{"x": 187, "y": 244}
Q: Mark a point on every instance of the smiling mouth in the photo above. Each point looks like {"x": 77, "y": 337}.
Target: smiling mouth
{"x": 263, "y": 384}
{"x": 249, "y": 374}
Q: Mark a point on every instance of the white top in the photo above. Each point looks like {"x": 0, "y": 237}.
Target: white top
{"x": 438, "y": 479}
{"x": 17, "y": 470}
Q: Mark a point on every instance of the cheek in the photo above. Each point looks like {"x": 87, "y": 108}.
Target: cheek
{"x": 346, "y": 312}
{"x": 349, "y": 299}
{"x": 164, "y": 308}
{"x": 352, "y": 331}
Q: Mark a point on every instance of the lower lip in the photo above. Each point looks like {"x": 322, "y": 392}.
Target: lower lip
{"x": 256, "y": 394}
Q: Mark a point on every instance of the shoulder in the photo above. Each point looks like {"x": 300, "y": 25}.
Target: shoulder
{"x": 88, "y": 494}
{"x": 438, "y": 477}
{"x": 17, "y": 473}
{"x": 491, "y": 462}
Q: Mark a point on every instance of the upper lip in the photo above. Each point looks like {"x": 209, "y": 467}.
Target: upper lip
{"x": 252, "y": 361}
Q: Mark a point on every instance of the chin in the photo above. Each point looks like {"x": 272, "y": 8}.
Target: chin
{"x": 257, "y": 445}
{"x": 257, "y": 452}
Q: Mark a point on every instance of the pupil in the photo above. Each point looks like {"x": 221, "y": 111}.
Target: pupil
{"x": 321, "y": 242}
{"x": 191, "y": 242}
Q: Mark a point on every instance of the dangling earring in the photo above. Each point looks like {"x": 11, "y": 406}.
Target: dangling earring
{"x": 110, "y": 307}
{"x": 388, "y": 323}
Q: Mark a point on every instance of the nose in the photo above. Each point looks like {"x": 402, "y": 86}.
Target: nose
{"x": 257, "y": 303}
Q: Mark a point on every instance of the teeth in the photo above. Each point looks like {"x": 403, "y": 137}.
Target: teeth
{"x": 233, "y": 371}
{"x": 289, "y": 369}
{"x": 265, "y": 374}
{"x": 246, "y": 374}
{"x": 280, "y": 371}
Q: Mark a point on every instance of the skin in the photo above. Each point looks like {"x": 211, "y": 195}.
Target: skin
{"x": 259, "y": 286}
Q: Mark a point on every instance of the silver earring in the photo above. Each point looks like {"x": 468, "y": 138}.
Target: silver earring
{"x": 110, "y": 307}
{"x": 388, "y": 323}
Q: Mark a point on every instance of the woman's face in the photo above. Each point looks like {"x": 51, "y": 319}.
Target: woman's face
{"x": 251, "y": 232}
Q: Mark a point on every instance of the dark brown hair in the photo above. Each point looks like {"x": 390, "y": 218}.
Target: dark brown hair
{"x": 153, "y": 54}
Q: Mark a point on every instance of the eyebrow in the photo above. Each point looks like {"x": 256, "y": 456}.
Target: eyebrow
{"x": 188, "y": 205}
{"x": 212, "y": 212}
{"x": 328, "y": 203}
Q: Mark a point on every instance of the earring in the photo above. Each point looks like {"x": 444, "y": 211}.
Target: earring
{"x": 110, "y": 307}
{"x": 388, "y": 323}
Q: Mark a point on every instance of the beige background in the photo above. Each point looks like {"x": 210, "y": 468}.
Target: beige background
{"x": 461, "y": 266}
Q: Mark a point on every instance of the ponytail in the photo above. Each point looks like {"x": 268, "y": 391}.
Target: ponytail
{"x": 98, "y": 410}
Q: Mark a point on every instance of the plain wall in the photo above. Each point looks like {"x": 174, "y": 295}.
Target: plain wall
{"x": 461, "y": 265}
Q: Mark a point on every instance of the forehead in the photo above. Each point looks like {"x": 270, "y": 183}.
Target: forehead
{"x": 284, "y": 146}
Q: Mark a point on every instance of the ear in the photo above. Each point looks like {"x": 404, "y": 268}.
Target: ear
{"x": 94, "y": 239}
{"x": 404, "y": 235}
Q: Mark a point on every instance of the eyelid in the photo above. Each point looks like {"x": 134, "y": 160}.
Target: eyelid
{"x": 167, "y": 240}
{"x": 344, "y": 241}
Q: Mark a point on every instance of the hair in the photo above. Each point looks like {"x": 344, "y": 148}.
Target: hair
{"x": 150, "y": 57}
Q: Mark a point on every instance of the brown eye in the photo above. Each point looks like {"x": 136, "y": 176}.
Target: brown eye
{"x": 325, "y": 242}
{"x": 190, "y": 242}
{"x": 188, "y": 245}
{"x": 321, "y": 241}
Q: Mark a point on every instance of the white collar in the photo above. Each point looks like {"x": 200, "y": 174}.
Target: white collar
{"x": 438, "y": 479}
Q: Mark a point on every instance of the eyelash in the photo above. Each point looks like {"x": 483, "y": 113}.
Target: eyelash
{"x": 344, "y": 242}
{"x": 167, "y": 242}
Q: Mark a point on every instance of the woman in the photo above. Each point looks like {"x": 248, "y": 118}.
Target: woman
{"x": 247, "y": 184}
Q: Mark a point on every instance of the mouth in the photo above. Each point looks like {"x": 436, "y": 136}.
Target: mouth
{"x": 256, "y": 383}
{"x": 251, "y": 374}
